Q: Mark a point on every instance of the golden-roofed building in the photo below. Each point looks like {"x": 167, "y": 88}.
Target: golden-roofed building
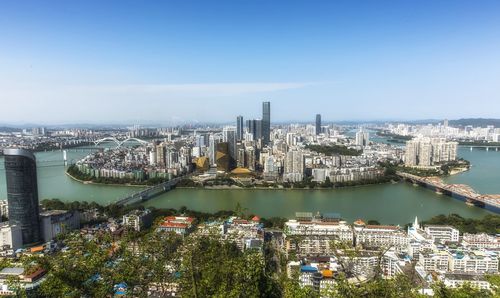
{"x": 241, "y": 171}
{"x": 202, "y": 163}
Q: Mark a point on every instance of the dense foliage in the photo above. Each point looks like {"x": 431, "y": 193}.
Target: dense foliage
{"x": 334, "y": 150}
{"x": 393, "y": 136}
{"x": 483, "y": 122}
{"x": 201, "y": 266}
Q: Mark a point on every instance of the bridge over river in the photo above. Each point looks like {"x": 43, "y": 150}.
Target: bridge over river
{"x": 461, "y": 192}
{"x": 149, "y": 192}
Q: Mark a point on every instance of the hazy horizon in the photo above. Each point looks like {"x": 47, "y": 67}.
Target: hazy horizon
{"x": 196, "y": 61}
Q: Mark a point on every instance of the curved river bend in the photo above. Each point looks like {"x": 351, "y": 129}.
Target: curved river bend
{"x": 389, "y": 203}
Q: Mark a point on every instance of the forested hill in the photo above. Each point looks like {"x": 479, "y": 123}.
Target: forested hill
{"x": 483, "y": 122}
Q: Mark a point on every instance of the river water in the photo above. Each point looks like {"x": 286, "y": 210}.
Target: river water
{"x": 389, "y": 203}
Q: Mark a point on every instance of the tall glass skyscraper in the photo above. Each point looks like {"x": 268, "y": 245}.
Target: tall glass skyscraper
{"x": 22, "y": 193}
{"x": 318, "y": 124}
{"x": 239, "y": 128}
{"x": 266, "y": 122}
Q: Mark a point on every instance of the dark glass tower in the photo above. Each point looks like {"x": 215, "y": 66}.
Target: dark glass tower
{"x": 22, "y": 193}
{"x": 239, "y": 128}
{"x": 318, "y": 124}
{"x": 266, "y": 122}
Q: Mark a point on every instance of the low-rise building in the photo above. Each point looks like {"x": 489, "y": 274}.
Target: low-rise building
{"x": 310, "y": 236}
{"x": 138, "y": 219}
{"x": 433, "y": 260}
{"x": 455, "y": 280}
{"x": 443, "y": 233}
{"x": 481, "y": 241}
{"x": 380, "y": 236}
{"x": 27, "y": 282}
{"x": 55, "y": 222}
{"x": 247, "y": 234}
{"x": 10, "y": 238}
{"x": 181, "y": 225}
{"x": 476, "y": 262}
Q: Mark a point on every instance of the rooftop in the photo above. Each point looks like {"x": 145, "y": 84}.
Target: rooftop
{"x": 12, "y": 271}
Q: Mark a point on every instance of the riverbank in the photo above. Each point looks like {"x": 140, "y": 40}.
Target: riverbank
{"x": 104, "y": 184}
{"x": 235, "y": 187}
{"x": 458, "y": 171}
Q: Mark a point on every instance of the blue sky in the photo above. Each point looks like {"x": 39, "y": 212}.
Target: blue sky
{"x": 131, "y": 61}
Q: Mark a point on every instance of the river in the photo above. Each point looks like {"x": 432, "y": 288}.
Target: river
{"x": 389, "y": 203}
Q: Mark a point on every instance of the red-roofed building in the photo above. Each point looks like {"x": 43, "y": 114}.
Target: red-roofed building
{"x": 256, "y": 218}
{"x": 178, "y": 224}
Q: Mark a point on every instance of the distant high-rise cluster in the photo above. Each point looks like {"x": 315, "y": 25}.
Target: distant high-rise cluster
{"x": 256, "y": 129}
{"x": 426, "y": 152}
{"x": 362, "y": 138}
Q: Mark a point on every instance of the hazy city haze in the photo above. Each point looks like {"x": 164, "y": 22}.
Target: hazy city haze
{"x": 112, "y": 61}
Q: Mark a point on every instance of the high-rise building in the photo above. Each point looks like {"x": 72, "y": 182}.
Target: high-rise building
{"x": 222, "y": 158}
{"x": 239, "y": 128}
{"x": 254, "y": 127}
{"x": 362, "y": 138}
{"x": 240, "y": 158}
{"x": 229, "y": 136}
{"x": 294, "y": 166}
{"x": 266, "y": 122}
{"x": 250, "y": 158}
{"x": 161, "y": 155}
{"x": 318, "y": 124}
{"x": 22, "y": 193}
{"x": 427, "y": 152}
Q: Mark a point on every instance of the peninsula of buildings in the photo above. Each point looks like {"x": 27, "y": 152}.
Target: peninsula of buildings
{"x": 255, "y": 154}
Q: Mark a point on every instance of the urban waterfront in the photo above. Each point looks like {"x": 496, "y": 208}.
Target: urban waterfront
{"x": 389, "y": 203}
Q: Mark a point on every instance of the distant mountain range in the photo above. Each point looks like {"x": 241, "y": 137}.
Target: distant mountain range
{"x": 482, "y": 122}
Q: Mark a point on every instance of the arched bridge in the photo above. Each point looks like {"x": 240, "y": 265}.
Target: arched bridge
{"x": 118, "y": 142}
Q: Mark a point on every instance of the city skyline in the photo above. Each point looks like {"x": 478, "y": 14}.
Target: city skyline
{"x": 97, "y": 62}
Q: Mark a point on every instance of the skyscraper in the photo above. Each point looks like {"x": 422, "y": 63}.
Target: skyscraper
{"x": 229, "y": 136}
{"x": 254, "y": 127}
{"x": 22, "y": 193}
{"x": 318, "y": 124}
{"x": 362, "y": 138}
{"x": 239, "y": 128}
{"x": 266, "y": 122}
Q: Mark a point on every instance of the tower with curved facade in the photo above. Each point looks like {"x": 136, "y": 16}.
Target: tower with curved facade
{"x": 22, "y": 193}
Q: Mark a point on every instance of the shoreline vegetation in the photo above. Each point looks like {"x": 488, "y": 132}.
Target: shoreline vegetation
{"x": 450, "y": 168}
{"x": 489, "y": 224}
{"x": 228, "y": 182}
{"x": 334, "y": 150}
